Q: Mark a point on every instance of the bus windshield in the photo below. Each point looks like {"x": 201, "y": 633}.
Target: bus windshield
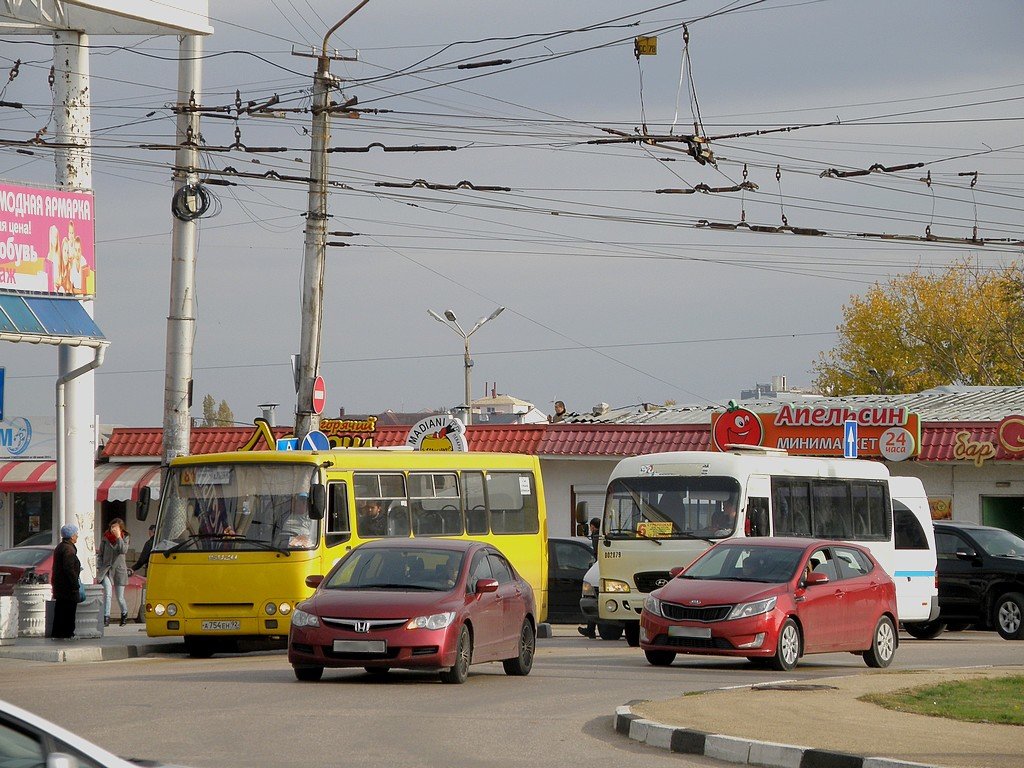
{"x": 671, "y": 507}
{"x": 236, "y": 507}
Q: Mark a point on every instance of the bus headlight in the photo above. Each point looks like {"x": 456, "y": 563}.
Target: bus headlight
{"x": 756, "y": 608}
{"x": 159, "y": 609}
{"x": 614, "y": 585}
{"x": 172, "y": 609}
{"x": 303, "y": 619}
{"x": 270, "y": 608}
{"x": 285, "y": 609}
{"x": 435, "y": 621}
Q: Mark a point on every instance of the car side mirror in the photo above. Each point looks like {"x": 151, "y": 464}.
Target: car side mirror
{"x": 317, "y": 501}
{"x": 965, "y": 553}
{"x": 673, "y": 572}
{"x": 314, "y": 581}
{"x": 486, "y": 585}
{"x": 815, "y": 577}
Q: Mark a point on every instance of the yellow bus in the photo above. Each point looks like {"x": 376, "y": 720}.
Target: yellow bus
{"x": 238, "y": 533}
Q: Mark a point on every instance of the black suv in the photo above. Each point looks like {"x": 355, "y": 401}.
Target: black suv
{"x": 981, "y": 577}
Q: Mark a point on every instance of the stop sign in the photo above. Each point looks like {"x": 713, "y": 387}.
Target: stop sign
{"x": 319, "y": 395}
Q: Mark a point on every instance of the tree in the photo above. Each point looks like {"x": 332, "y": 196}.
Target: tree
{"x": 217, "y": 415}
{"x": 964, "y": 326}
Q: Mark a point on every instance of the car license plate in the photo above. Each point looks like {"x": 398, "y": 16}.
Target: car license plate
{"x": 361, "y": 646}
{"x": 704, "y": 632}
{"x": 221, "y": 626}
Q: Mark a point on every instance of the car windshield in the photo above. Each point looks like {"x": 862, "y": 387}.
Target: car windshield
{"x": 999, "y": 543}
{"x": 769, "y": 565}
{"x": 397, "y": 569}
{"x": 236, "y": 507}
{"x": 671, "y": 507}
{"x": 23, "y": 556}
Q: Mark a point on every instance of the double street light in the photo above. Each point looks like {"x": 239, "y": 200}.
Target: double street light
{"x": 449, "y": 320}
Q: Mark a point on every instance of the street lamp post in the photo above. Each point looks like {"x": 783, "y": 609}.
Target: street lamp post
{"x": 452, "y": 322}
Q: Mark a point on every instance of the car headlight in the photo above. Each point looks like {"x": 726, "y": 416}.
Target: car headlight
{"x": 614, "y": 585}
{"x": 434, "y": 621}
{"x": 303, "y": 619}
{"x": 756, "y": 608}
{"x": 589, "y": 590}
{"x": 652, "y": 605}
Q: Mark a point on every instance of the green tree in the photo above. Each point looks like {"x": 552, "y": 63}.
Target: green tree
{"x": 964, "y": 326}
{"x": 217, "y": 415}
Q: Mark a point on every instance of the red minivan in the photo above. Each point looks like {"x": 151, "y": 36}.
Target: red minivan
{"x": 775, "y": 599}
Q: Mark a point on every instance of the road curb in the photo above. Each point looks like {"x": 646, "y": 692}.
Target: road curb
{"x": 68, "y": 653}
{"x": 732, "y": 749}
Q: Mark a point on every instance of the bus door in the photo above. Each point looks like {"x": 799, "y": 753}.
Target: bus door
{"x": 756, "y": 517}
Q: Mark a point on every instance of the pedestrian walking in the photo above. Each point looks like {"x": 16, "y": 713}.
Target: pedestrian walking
{"x": 147, "y": 549}
{"x": 112, "y": 570}
{"x": 64, "y": 580}
{"x": 594, "y": 532}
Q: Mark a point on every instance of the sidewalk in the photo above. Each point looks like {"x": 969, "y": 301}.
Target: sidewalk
{"x": 800, "y": 724}
{"x": 127, "y": 642}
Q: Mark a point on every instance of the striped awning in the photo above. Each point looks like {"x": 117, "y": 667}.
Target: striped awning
{"x": 122, "y": 482}
{"x": 28, "y": 476}
{"x": 114, "y": 481}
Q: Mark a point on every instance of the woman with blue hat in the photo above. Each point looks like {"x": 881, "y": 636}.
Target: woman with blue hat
{"x": 64, "y": 580}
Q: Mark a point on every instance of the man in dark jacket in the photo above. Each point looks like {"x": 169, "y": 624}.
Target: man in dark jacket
{"x": 64, "y": 580}
{"x": 147, "y": 550}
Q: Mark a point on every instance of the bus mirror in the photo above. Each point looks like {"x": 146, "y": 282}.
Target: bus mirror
{"x": 142, "y": 504}
{"x": 581, "y": 512}
{"x": 317, "y": 501}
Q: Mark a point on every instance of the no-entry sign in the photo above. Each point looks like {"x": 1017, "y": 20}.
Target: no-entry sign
{"x": 319, "y": 395}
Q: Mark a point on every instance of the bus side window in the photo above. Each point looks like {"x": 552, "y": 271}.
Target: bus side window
{"x": 338, "y": 529}
{"x": 909, "y": 533}
{"x": 757, "y": 516}
{"x": 474, "y": 502}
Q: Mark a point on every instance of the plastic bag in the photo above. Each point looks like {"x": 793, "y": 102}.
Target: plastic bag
{"x": 81, "y": 592}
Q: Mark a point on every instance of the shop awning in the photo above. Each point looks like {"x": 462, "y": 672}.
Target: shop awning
{"x": 114, "y": 481}
{"x": 28, "y": 476}
{"x": 122, "y": 482}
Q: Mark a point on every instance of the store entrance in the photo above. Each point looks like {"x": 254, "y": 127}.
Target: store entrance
{"x": 1004, "y": 512}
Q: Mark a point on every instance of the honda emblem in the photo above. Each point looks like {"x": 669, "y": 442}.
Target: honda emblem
{"x": 362, "y": 626}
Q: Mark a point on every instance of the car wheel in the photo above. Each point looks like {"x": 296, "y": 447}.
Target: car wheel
{"x": 883, "y": 644}
{"x": 787, "y": 651}
{"x": 520, "y": 665}
{"x": 924, "y": 630}
{"x": 632, "y": 630}
{"x": 459, "y": 671}
{"x": 308, "y": 674}
{"x": 609, "y": 631}
{"x": 1008, "y": 616}
{"x": 660, "y": 658}
{"x": 377, "y": 671}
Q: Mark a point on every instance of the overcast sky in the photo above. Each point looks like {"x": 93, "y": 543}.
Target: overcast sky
{"x": 612, "y": 292}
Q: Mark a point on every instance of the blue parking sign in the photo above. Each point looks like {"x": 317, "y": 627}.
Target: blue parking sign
{"x": 849, "y": 439}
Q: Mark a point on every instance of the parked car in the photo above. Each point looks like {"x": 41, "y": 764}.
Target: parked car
{"x": 606, "y": 630}
{"x": 568, "y": 562}
{"x": 29, "y": 740}
{"x": 775, "y": 599}
{"x": 34, "y": 565}
{"x": 433, "y": 604}
{"x": 981, "y": 579}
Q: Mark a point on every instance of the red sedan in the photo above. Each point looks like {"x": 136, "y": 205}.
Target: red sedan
{"x": 774, "y": 599}
{"x": 416, "y": 604}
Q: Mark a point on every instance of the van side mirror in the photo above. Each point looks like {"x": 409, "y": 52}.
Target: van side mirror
{"x": 581, "y": 512}
{"x": 317, "y": 501}
{"x": 142, "y": 504}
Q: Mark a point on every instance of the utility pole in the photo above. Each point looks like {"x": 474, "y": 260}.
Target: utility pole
{"x": 306, "y": 419}
{"x": 181, "y": 319}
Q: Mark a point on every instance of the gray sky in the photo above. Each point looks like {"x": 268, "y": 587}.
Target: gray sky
{"x": 612, "y": 293}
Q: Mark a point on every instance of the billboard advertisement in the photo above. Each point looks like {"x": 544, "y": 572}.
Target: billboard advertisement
{"x": 47, "y": 241}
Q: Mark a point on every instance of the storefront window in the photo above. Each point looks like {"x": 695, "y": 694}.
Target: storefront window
{"x": 32, "y": 514}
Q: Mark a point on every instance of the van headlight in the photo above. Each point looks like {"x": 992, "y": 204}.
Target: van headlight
{"x": 589, "y": 590}
{"x": 614, "y": 585}
{"x": 756, "y": 608}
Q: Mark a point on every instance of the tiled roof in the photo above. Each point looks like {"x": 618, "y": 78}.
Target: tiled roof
{"x": 621, "y": 440}
{"x": 145, "y": 442}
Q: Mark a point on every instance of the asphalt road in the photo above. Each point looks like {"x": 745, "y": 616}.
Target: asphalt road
{"x": 248, "y": 710}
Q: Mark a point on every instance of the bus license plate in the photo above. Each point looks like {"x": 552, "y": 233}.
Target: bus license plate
{"x": 704, "y": 632}
{"x": 221, "y": 626}
{"x": 361, "y": 646}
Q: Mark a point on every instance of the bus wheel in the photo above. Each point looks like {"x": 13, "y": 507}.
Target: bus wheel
{"x": 609, "y": 631}
{"x": 308, "y": 674}
{"x": 199, "y": 647}
{"x": 924, "y": 630}
{"x": 632, "y": 630}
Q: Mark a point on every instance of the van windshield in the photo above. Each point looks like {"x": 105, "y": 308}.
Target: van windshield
{"x": 671, "y": 507}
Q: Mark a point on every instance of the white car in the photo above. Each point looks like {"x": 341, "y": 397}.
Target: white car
{"x": 30, "y": 740}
